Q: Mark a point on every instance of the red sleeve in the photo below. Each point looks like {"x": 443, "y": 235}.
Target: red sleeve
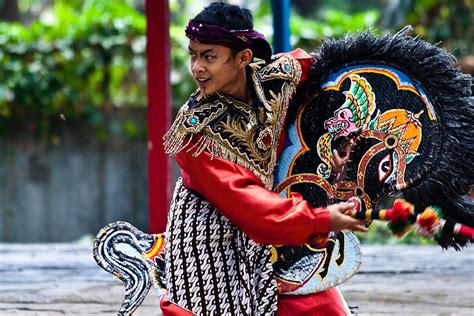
{"x": 305, "y": 60}
{"x": 264, "y": 215}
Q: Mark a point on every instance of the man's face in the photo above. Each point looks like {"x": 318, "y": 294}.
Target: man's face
{"x": 214, "y": 68}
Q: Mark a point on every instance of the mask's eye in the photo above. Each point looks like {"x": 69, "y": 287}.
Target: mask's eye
{"x": 343, "y": 114}
{"x": 385, "y": 168}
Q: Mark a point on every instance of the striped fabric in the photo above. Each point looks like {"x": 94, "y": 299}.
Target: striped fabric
{"x": 212, "y": 267}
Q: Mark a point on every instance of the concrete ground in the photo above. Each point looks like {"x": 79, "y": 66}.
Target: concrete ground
{"x": 413, "y": 280}
{"x": 63, "y": 279}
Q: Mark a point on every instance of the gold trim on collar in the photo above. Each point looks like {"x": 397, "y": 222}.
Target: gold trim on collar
{"x": 234, "y": 131}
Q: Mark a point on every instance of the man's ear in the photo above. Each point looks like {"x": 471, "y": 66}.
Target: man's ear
{"x": 244, "y": 57}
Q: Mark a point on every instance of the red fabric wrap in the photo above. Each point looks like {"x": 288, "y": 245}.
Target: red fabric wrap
{"x": 326, "y": 303}
{"x": 170, "y": 309}
{"x": 329, "y": 302}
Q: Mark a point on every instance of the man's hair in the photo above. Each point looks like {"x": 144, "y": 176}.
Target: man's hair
{"x": 228, "y": 16}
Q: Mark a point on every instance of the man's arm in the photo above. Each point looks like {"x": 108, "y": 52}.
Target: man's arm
{"x": 264, "y": 215}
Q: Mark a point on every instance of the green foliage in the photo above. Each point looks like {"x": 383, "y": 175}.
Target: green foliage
{"x": 450, "y": 22}
{"x": 88, "y": 57}
{"x": 309, "y": 33}
{"x": 306, "y": 33}
{"x": 74, "y": 67}
{"x": 182, "y": 82}
{"x": 330, "y": 20}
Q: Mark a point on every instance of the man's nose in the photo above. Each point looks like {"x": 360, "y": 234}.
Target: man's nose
{"x": 196, "y": 66}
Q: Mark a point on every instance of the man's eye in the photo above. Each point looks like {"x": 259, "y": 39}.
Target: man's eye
{"x": 210, "y": 57}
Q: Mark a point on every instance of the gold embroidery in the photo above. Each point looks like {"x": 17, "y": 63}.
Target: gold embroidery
{"x": 235, "y": 131}
{"x": 189, "y": 122}
{"x": 242, "y": 107}
{"x": 284, "y": 69}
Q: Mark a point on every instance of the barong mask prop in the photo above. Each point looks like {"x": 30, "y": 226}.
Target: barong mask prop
{"x": 414, "y": 117}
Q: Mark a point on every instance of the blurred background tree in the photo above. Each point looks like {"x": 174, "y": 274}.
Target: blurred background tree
{"x": 71, "y": 60}
{"x": 76, "y": 59}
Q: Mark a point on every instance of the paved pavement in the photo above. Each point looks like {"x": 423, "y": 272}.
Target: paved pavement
{"x": 63, "y": 279}
{"x": 413, "y": 280}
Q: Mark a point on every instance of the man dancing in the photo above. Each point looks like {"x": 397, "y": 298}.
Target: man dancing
{"x": 227, "y": 139}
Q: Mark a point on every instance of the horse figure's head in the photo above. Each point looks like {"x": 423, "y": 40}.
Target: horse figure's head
{"x": 413, "y": 116}
{"x": 399, "y": 131}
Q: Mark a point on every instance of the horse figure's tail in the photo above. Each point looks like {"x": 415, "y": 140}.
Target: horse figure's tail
{"x": 132, "y": 256}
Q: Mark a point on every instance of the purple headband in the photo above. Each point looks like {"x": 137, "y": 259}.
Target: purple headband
{"x": 235, "y": 39}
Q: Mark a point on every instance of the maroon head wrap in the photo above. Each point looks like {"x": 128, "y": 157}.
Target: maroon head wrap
{"x": 234, "y": 39}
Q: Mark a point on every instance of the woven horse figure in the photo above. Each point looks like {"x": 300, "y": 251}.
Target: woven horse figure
{"x": 413, "y": 115}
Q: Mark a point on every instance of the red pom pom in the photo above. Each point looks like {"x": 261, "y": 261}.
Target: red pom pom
{"x": 400, "y": 217}
{"x": 401, "y": 211}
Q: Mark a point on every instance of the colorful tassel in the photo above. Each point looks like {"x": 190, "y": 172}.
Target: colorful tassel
{"x": 400, "y": 222}
{"x": 428, "y": 222}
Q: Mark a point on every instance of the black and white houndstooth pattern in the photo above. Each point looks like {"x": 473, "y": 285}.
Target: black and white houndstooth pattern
{"x": 212, "y": 267}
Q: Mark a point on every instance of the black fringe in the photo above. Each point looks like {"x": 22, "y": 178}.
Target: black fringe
{"x": 453, "y": 174}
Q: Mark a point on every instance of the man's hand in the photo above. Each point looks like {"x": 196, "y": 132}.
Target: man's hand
{"x": 340, "y": 221}
{"x": 339, "y": 161}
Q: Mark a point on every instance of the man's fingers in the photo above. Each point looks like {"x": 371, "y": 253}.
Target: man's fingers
{"x": 336, "y": 162}
{"x": 335, "y": 156}
{"x": 340, "y": 220}
{"x": 345, "y": 206}
{"x": 358, "y": 226}
{"x": 353, "y": 223}
{"x": 347, "y": 150}
{"x": 334, "y": 166}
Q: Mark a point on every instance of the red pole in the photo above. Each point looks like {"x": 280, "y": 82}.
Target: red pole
{"x": 159, "y": 111}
